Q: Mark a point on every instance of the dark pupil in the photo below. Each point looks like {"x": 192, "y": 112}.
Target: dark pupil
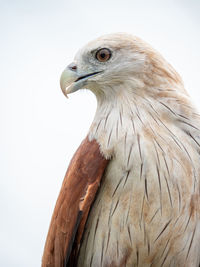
{"x": 103, "y": 55}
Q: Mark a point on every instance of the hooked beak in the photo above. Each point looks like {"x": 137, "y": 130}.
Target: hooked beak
{"x": 71, "y": 80}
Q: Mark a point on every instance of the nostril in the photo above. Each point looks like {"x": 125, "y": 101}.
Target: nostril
{"x": 72, "y": 66}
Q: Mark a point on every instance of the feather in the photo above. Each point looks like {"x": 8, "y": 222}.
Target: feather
{"x": 73, "y": 204}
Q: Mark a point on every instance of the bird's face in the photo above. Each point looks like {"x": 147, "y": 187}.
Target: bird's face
{"x": 102, "y": 64}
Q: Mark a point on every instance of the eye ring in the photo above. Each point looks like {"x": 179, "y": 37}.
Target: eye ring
{"x": 103, "y": 54}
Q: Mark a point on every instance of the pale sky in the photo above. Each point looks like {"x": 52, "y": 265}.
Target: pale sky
{"x": 39, "y": 128}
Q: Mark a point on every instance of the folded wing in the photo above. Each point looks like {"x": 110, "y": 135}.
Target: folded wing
{"x": 73, "y": 204}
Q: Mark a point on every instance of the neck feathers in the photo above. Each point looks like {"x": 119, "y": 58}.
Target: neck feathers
{"x": 130, "y": 113}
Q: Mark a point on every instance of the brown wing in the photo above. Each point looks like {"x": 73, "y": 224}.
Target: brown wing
{"x": 73, "y": 204}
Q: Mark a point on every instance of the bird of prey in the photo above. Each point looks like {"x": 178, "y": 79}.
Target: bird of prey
{"x": 130, "y": 196}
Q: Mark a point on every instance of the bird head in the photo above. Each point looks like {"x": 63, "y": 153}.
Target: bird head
{"x": 116, "y": 63}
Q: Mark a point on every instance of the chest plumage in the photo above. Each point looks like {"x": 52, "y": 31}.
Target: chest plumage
{"x": 146, "y": 212}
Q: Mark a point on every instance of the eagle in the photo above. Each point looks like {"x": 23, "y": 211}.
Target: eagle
{"x": 130, "y": 196}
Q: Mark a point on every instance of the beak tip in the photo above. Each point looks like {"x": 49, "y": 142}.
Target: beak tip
{"x": 64, "y": 92}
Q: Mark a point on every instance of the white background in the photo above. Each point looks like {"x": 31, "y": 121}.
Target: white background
{"x": 39, "y": 128}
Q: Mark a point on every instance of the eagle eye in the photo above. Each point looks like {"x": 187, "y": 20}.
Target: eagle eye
{"x": 103, "y": 54}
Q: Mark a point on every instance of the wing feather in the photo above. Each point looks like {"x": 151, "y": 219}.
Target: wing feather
{"x": 76, "y": 196}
